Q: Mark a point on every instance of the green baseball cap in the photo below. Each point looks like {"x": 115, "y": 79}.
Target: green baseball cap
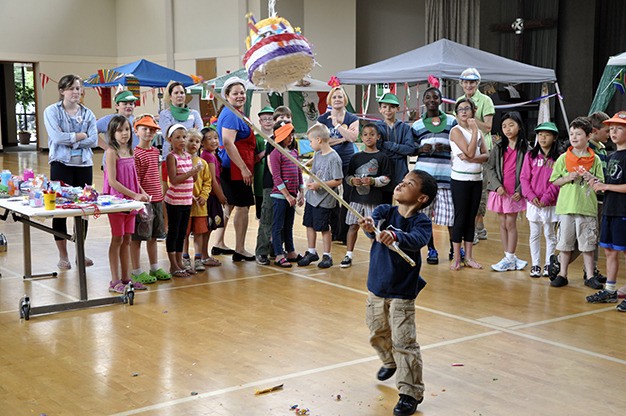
{"x": 389, "y": 98}
{"x": 125, "y": 96}
{"x": 547, "y": 126}
{"x": 265, "y": 110}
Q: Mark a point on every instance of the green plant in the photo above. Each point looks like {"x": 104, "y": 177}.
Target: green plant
{"x": 24, "y": 92}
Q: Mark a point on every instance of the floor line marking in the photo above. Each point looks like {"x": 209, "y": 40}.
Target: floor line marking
{"x": 279, "y": 379}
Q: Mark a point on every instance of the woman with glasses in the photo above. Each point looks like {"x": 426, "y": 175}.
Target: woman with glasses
{"x": 72, "y": 132}
{"x": 468, "y": 153}
{"x": 469, "y": 80}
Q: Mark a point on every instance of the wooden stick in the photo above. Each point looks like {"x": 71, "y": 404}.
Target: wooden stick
{"x": 395, "y": 247}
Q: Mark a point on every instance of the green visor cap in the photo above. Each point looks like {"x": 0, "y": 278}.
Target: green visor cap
{"x": 389, "y": 98}
{"x": 547, "y": 126}
{"x": 266, "y": 110}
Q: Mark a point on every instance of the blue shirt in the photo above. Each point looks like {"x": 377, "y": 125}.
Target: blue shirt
{"x": 62, "y": 129}
{"x": 344, "y": 150}
{"x": 166, "y": 119}
{"x": 390, "y": 276}
{"x": 229, "y": 120}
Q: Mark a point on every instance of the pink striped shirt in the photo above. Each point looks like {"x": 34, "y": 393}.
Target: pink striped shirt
{"x": 181, "y": 193}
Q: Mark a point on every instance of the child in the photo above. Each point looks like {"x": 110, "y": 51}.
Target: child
{"x": 613, "y": 234}
{"x": 369, "y": 171}
{"x": 319, "y": 203}
{"x": 503, "y": 171}
{"x": 393, "y": 285}
{"x": 266, "y": 121}
{"x": 541, "y": 194}
{"x": 178, "y": 198}
{"x": 147, "y": 166}
{"x": 264, "y": 248}
{"x": 198, "y": 222}
{"x": 576, "y": 204}
{"x": 396, "y": 141}
{"x": 120, "y": 179}
{"x": 215, "y": 212}
{"x": 287, "y": 192}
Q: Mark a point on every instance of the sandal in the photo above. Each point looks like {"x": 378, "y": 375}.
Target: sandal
{"x": 88, "y": 262}
{"x": 283, "y": 262}
{"x": 160, "y": 274}
{"x": 64, "y": 265}
{"x": 144, "y": 278}
{"x": 190, "y": 271}
{"x": 473, "y": 264}
{"x": 455, "y": 266}
{"x": 117, "y": 287}
{"x": 136, "y": 285}
{"x": 211, "y": 262}
{"x": 180, "y": 273}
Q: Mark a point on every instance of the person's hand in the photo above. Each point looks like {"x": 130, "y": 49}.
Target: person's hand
{"x": 80, "y": 136}
{"x": 471, "y": 122}
{"x": 142, "y": 197}
{"x": 367, "y": 224}
{"x": 462, "y": 156}
{"x": 356, "y": 181}
{"x": 427, "y": 148}
{"x": 201, "y": 201}
{"x": 516, "y": 196}
{"x": 314, "y": 186}
{"x": 386, "y": 237}
{"x": 599, "y": 186}
{"x": 501, "y": 191}
{"x": 300, "y": 200}
{"x": 222, "y": 199}
{"x": 572, "y": 176}
{"x": 536, "y": 202}
{"x": 247, "y": 176}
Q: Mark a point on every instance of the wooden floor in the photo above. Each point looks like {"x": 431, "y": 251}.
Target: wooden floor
{"x": 204, "y": 345}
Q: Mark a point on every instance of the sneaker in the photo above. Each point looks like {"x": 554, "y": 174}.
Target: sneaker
{"x": 535, "y": 271}
{"x": 462, "y": 254}
{"x": 187, "y": 263}
{"x": 503, "y": 265}
{"x": 520, "y": 264}
{"x": 451, "y": 255}
{"x": 481, "y": 233}
{"x": 162, "y": 237}
{"x": 603, "y": 296}
{"x": 558, "y": 281}
{"x": 433, "y": 256}
{"x": 476, "y": 239}
{"x": 262, "y": 259}
{"x": 554, "y": 267}
{"x": 346, "y": 262}
{"x": 545, "y": 271}
{"x": 308, "y": 259}
{"x": 596, "y": 274}
{"x": 198, "y": 265}
{"x": 621, "y": 307}
{"x": 326, "y": 262}
{"x": 406, "y": 406}
{"x": 594, "y": 283}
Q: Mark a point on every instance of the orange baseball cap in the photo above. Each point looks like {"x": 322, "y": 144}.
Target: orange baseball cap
{"x": 146, "y": 120}
{"x": 619, "y": 117}
{"x": 282, "y": 132}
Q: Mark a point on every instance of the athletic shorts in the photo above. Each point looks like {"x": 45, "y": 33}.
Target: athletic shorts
{"x": 613, "y": 233}
{"x": 317, "y": 218}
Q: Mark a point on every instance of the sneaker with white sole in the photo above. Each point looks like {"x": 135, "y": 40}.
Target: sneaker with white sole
{"x": 535, "y": 271}
{"x": 503, "y": 265}
{"x": 186, "y": 262}
{"x": 346, "y": 262}
{"x": 603, "y": 296}
{"x": 546, "y": 273}
{"x": 198, "y": 265}
{"x": 621, "y": 307}
{"x": 520, "y": 264}
{"x": 326, "y": 262}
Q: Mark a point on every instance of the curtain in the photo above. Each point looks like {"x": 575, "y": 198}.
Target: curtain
{"x": 456, "y": 20}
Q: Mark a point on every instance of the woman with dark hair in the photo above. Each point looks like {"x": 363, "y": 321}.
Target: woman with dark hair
{"x": 72, "y": 132}
{"x": 177, "y": 112}
{"x": 237, "y": 150}
{"x": 468, "y": 153}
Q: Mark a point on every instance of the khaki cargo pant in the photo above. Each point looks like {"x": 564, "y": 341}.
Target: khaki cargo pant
{"x": 393, "y": 336}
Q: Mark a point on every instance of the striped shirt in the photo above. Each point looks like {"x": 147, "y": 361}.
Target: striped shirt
{"x": 285, "y": 174}
{"x": 181, "y": 193}
{"x": 147, "y": 165}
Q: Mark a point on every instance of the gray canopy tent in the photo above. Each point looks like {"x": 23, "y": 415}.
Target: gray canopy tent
{"x": 447, "y": 59}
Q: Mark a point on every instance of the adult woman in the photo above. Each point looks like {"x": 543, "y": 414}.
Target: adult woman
{"x": 72, "y": 132}
{"x": 469, "y": 80}
{"x": 466, "y": 179}
{"x": 238, "y": 144}
{"x": 344, "y": 130}
{"x": 177, "y": 112}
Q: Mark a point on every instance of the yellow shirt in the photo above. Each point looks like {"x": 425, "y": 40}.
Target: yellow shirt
{"x": 201, "y": 188}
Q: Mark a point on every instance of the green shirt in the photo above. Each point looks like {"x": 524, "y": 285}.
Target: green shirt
{"x": 576, "y": 197}
{"x": 259, "y": 167}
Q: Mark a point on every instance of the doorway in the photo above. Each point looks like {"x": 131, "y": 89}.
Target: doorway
{"x": 18, "y": 109}
{"x": 207, "y": 69}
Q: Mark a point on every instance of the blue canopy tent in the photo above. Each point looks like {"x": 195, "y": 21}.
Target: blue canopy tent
{"x": 147, "y": 73}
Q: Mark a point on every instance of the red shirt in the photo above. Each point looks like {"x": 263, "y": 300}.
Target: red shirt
{"x": 147, "y": 165}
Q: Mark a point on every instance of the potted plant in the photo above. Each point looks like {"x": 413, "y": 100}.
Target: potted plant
{"x": 25, "y": 97}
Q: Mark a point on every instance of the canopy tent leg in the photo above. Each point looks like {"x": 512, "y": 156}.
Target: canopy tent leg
{"x": 558, "y": 92}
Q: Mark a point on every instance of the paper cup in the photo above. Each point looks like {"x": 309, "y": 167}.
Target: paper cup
{"x": 50, "y": 201}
